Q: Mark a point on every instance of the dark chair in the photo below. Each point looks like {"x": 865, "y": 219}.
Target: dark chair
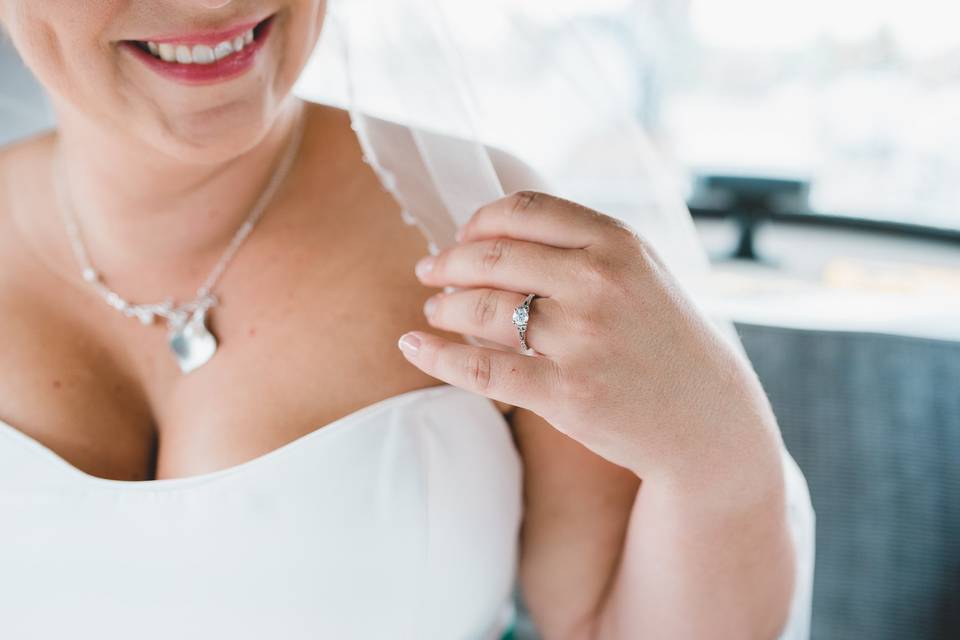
{"x": 874, "y": 423}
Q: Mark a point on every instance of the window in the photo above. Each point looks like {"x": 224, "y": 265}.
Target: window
{"x": 859, "y": 96}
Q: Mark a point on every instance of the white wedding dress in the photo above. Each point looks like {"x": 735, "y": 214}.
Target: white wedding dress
{"x": 400, "y": 520}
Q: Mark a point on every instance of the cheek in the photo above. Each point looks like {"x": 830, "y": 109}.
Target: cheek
{"x": 302, "y": 32}
{"x": 68, "y": 47}
{"x": 57, "y": 42}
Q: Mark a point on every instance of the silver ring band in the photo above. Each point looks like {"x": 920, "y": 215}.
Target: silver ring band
{"x": 521, "y": 317}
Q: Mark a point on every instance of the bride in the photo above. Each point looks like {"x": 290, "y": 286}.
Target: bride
{"x": 163, "y": 468}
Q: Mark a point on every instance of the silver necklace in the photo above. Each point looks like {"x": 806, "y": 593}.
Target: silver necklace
{"x": 192, "y": 342}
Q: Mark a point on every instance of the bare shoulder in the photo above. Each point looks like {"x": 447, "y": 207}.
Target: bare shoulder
{"x": 21, "y": 177}
{"x": 406, "y": 244}
{"x": 20, "y": 165}
{"x": 24, "y": 149}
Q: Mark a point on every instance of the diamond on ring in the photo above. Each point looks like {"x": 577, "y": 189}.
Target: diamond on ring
{"x": 521, "y": 316}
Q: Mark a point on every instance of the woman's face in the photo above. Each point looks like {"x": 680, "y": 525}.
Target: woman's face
{"x": 178, "y": 75}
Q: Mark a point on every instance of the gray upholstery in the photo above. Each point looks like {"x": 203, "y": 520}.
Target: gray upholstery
{"x": 874, "y": 423}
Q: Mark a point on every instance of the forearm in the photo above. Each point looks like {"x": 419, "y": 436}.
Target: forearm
{"x": 708, "y": 555}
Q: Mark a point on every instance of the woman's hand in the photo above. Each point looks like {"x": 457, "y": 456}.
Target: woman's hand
{"x": 624, "y": 364}
{"x": 628, "y": 367}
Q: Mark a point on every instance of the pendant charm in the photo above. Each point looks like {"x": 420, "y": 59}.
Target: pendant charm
{"x": 191, "y": 341}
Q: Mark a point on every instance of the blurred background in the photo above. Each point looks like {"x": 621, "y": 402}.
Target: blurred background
{"x": 817, "y": 144}
{"x": 818, "y": 148}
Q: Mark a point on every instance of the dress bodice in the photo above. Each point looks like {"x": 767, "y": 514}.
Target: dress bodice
{"x": 399, "y": 520}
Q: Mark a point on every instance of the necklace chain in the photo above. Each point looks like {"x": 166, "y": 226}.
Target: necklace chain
{"x": 176, "y": 315}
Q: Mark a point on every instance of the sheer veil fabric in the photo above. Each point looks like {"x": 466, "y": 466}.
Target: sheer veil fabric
{"x": 445, "y": 95}
{"x": 503, "y": 85}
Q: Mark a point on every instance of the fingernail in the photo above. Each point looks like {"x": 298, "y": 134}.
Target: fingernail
{"x": 409, "y": 343}
{"x": 425, "y": 265}
{"x": 429, "y": 306}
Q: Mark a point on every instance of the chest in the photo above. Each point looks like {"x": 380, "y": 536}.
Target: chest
{"x": 307, "y": 329}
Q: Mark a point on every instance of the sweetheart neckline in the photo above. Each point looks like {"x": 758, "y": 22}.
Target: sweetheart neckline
{"x": 335, "y": 426}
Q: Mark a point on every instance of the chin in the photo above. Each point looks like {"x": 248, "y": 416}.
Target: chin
{"x": 217, "y": 134}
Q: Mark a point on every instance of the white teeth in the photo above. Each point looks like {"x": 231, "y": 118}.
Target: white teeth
{"x": 183, "y": 54}
{"x": 168, "y": 52}
{"x": 202, "y": 54}
{"x": 222, "y": 50}
{"x": 199, "y": 53}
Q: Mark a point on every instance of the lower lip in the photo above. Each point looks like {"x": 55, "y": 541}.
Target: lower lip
{"x": 234, "y": 65}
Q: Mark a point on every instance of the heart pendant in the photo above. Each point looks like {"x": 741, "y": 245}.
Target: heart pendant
{"x": 192, "y": 343}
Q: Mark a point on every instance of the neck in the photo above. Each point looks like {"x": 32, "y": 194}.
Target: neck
{"x": 141, "y": 212}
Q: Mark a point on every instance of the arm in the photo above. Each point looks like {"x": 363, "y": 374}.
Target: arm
{"x": 576, "y": 511}
{"x": 603, "y": 557}
{"x": 703, "y": 548}
{"x": 714, "y": 557}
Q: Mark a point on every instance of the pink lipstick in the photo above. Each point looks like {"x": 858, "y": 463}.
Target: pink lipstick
{"x": 203, "y": 57}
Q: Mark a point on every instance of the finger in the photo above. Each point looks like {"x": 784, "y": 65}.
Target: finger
{"x": 488, "y": 314}
{"x": 541, "y": 217}
{"x": 520, "y": 380}
{"x": 505, "y": 263}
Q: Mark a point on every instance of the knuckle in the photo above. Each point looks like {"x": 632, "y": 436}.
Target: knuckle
{"x": 647, "y": 255}
{"x": 634, "y": 244}
{"x": 606, "y": 275}
{"x": 523, "y": 201}
{"x": 555, "y": 379}
{"x": 618, "y": 228}
{"x": 625, "y": 238}
{"x": 494, "y": 254}
{"x": 623, "y": 230}
{"x": 485, "y": 309}
{"x": 479, "y": 371}
{"x": 592, "y": 270}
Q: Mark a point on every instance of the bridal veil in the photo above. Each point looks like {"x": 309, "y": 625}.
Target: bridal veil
{"x": 477, "y": 82}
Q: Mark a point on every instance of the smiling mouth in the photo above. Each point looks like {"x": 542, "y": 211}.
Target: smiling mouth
{"x": 186, "y": 52}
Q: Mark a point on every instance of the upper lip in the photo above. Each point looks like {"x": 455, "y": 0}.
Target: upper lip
{"x": 207, "y": 37}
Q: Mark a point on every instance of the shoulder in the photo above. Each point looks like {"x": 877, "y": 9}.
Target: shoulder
{"x": 25, "y": 148}
{"x": 23, "y": 306}
{"x": 22, "y": 166}
{"x": 19, "y": 163}
{"x": 400, "y": 140}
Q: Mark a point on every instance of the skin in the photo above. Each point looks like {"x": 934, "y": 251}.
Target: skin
{"x": 626, "y": 366}
{"x": 169, "y": 182}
